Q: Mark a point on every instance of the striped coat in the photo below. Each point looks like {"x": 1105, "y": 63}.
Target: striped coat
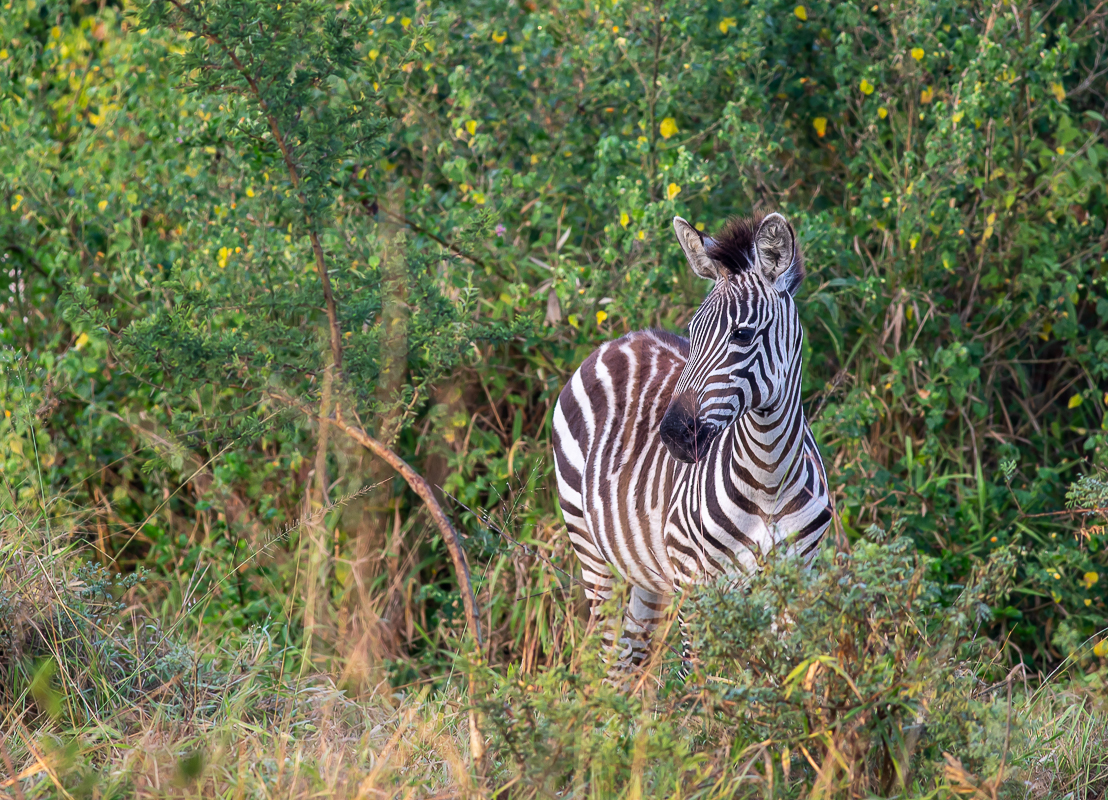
{"x": 678, "y": 460}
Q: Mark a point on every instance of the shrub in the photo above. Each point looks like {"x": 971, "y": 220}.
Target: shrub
{"x": 855, "y": 677}
{"x": 71, "y": 647}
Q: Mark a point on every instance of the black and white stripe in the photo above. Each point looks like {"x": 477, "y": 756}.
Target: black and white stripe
{"x": 678, "y": 460}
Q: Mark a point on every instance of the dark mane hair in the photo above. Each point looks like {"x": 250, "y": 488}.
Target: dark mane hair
{"x": 733, "y": 246}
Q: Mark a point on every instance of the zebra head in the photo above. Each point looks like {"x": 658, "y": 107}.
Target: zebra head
{"x": 745, "y": 338}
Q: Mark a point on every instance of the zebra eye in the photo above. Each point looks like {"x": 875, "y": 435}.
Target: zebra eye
{"x": 742, "y": 335}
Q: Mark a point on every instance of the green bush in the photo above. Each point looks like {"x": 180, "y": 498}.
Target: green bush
{"x": 944, "y": 163}
{"x": 854, "y": 678}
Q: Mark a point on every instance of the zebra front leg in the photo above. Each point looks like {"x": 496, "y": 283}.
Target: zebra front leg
{"x": 642, "y": 617}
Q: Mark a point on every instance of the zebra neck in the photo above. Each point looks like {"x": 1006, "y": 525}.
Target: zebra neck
{"x": 768, "y": 444}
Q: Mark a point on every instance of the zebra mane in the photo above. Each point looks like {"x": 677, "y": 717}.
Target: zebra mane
{"x": 733, "y": 246}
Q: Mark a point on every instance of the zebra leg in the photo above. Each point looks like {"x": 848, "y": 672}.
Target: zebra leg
{"x": 644, "y": 614}
{"x": 686, "y": 648}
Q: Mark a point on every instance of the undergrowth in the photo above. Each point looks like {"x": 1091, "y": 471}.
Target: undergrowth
{"x": 863, "y": 677}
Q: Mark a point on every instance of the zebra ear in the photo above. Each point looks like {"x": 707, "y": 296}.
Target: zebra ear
{"x": 779, "y": 257}
{"x": 692, "y": 242}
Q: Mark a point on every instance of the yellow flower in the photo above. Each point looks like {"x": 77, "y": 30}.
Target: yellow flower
{"x": 56, "y": 32}
{"x": 866, "y": 87}
{"x": 82, "y": 340}
{"x": 926, "y": 95}
{"x": 668, "y": 127}
{"x": 699, "y": 226}
{"x": 601, "y": 316}
{"x": 18, "y": 202}
{"x": 390, "y": 19}
{"x": 801, "y": 13}
{"x": 102, "y": 204}
{"x": 249, "y": 192}
{"x": 820, "y": 124}
{"x": 1060, "y": 150}
{"x": 917, "y": 53}
{"x": 3, "y": 53}
{"x": 1075, "y": 401}
{"x": 642, "y": 234}
{"x": 223, "y": 257}
{"x": 673, "y": 190}
{"x": 727, "y": 23}
{"x": 405, "y": 22}
{"x": 1058, "y": 89}
{"x": 534, "y": 159}
{"x": 1090, "y": 579}
{"x": 624, "y": 219}
{"x": 499, "y": 37}
{"x": 471, "y": 126}
{"x": 478, "y": 198}
{"x": 957, "y": 116}
{"x": 1101, "y": 648}
{"x": 1088, "y": 602}
{"x": 882, "y": 112}
{"x": 373, "y": 55}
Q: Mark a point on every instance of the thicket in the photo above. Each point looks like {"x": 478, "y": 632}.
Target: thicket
{"x": 255, "y": 255}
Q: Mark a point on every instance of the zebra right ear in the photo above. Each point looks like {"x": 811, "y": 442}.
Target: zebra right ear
{"x": 692, "y": 242}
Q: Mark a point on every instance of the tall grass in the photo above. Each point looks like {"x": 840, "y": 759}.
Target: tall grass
{"x": 108, "y": 691}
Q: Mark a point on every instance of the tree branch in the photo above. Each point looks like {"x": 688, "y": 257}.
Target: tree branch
{"x": 421, "y": 488}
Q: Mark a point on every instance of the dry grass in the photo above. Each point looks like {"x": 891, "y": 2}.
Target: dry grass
{"x": 98, "y": 702}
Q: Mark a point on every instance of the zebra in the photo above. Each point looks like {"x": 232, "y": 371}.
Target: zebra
{"x": 681, "y": 460}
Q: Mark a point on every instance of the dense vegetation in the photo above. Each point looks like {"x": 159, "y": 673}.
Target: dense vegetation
{"x": 256, "y": 254}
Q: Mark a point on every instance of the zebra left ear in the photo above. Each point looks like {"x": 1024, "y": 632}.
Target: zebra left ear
{"x": 778, "y": 255}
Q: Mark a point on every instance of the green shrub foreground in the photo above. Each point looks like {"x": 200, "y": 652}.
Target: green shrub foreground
{"x": 236, "y": 236}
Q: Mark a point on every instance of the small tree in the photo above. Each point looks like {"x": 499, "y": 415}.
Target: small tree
{"x": 285, "y": 302}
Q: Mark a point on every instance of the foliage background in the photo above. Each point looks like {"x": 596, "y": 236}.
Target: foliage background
{"x": 943, "y": 162}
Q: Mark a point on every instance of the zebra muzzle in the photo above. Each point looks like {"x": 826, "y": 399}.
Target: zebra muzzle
{"x": 686, "y": 438}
